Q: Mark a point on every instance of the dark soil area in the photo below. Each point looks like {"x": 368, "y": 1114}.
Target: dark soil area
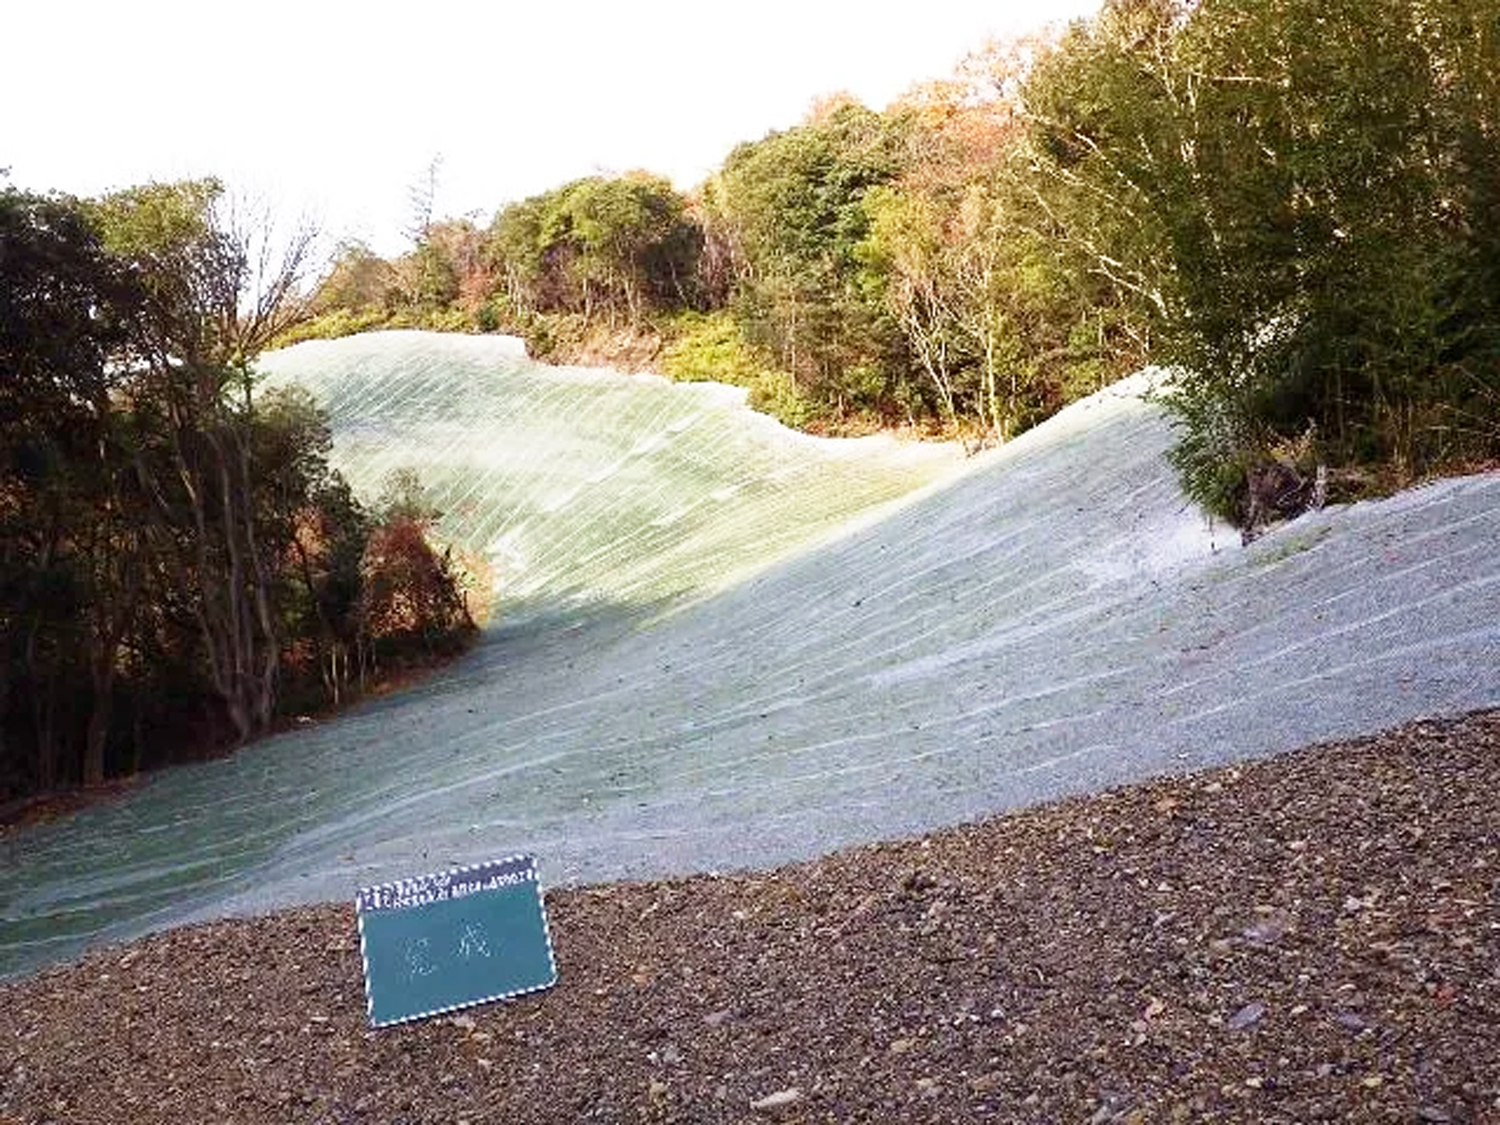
{"x": 1309, "y": 938}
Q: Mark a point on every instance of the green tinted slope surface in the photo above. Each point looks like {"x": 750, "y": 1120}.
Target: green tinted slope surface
{"x": 585, "y": 487}
{"x": 1053, "y": 619}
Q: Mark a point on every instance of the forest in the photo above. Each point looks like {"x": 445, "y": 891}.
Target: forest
{"x": 1291, "y": 207}
{"x": 180, "y": 566}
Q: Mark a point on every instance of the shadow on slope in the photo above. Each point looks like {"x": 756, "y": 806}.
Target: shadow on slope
{"x": 193, "y": 836}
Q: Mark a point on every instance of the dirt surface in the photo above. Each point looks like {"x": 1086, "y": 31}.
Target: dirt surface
{"x": 1310, "y": 937}
{"x": 623, "y": 349}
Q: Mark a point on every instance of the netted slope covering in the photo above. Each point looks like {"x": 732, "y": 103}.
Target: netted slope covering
{"x": 585, "y": 487}
{"x": 1054, "y": 619}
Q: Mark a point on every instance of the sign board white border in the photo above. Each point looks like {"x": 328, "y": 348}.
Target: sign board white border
{"x": 442, "y": 886}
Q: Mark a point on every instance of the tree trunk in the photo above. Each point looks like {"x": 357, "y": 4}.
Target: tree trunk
{"x": 102, "y": 668}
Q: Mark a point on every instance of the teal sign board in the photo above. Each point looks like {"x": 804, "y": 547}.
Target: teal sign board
{"x": 436, "y": 943}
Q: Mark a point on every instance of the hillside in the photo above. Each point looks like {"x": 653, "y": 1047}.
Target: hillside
{"x": 851, "y": 642}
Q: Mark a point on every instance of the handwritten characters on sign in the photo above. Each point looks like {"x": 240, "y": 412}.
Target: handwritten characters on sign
{"x": 434, "y": 943}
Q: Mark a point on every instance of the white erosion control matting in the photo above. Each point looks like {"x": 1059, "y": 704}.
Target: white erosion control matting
{"x": 837, "y": 642}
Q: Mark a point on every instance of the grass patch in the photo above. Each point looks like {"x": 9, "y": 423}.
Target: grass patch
{"x": 1294, "y": 545}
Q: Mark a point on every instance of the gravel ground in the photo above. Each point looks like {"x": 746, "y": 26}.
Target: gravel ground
{"x": 1313, "y": 936}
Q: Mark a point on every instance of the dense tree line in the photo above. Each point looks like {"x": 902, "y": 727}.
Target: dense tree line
{"x": 1294, "y": 206}
{"x": 1304, "y": 200}
{"x": 178, "y": 561}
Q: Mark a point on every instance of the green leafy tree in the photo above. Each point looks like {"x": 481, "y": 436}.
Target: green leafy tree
{"x": 328, "y": 540}
{"x": 789, "y": 213}
{"x": 427, "y": 278}
{"x": 1299, "y": 196}
{"x": 625, "y": 248}
{"x": 172, "y": 536}
{"x": 70, "y": 565}
{"x": 513, "y": 251}
{"x": 215, "y": 296}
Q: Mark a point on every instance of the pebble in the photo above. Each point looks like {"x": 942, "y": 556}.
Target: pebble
{"x": 1247, "y": 1016}
{"x": 778, "y": 1100}
{"x": 1268, "y": 929}
{"x": 1351, "y": 1021}
{"x": 1110, "y": 1111}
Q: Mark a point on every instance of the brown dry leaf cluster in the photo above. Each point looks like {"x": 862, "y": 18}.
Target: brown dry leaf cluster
{"x": 1314, "y": 937}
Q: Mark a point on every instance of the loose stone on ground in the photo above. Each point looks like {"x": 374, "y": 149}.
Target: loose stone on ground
{"x": 1184, "y": 950}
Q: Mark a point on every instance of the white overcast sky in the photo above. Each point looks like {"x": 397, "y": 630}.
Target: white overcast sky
{"x": 335, "y": 108}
